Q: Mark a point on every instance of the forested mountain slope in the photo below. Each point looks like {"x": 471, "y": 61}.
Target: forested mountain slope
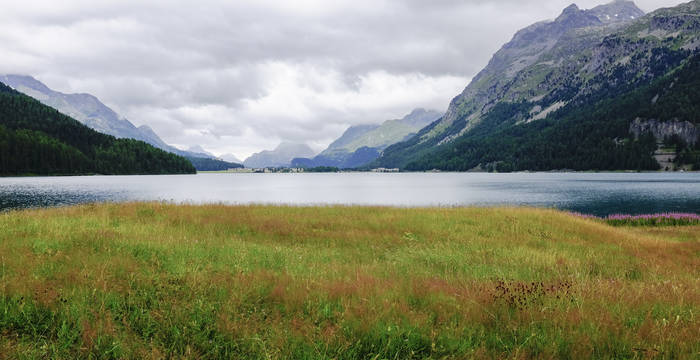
{"x": 37, "y": 139}
{"x": 558, "y": 96}
{"x": 595, "y": 135}
{"x": 91, "y": 112}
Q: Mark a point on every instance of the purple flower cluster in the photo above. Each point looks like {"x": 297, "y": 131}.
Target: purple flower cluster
{"x": 661, "y": 216}
{"x": 670, "y": 218}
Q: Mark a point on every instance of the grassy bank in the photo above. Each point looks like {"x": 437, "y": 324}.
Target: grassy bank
{"x": 155, "y": 280}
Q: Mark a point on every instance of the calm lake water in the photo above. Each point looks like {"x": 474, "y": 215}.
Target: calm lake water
{"x": 592, "y": 193}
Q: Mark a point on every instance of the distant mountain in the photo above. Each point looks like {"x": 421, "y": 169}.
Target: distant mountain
{"x": 230, "y": 158}
{"x": 280, "y": 157}
{"x": 565, "y": 94}
{"x": 362, "y": 144}
{"x": 37, "y": 139}
{"x": 91, "y": 112}
{"x": 198, "y": 150}
{"x": 352, "y": 135}
{"x": 619, "y": 11}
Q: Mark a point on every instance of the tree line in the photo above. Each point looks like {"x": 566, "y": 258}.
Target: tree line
{"x": 37, "y": 139}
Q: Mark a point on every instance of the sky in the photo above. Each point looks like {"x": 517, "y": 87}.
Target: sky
{"x": 240, "y": 76}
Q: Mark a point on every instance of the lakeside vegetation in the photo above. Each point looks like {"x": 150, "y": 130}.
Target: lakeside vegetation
{"x": 662, "y": 219}
{"x": 212, "y": 165}
{"x": 153, "y": 280}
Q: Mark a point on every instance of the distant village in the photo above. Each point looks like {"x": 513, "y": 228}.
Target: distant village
{"x": 322, "y": 169}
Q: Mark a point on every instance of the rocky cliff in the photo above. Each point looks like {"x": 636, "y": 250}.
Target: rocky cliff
{"x": 662, "y": 130}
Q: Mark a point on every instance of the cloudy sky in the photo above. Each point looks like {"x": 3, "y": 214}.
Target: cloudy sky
{"x": 239, "y": 76}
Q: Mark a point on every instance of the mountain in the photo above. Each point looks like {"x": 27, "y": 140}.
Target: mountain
{"x": 230, "y": 158}
{"x": 91, "y": 112}
{"x": 279, "y": 157}
{"x": 83, "y": 107}
{"x": 617, "y": 12}
{"x": 197, "y": 150}
{"x": 362, "y": 144}
{"x": 205, "y": 161}
{"x": 149, "y": 136}
{"x": 37, "y": 139}
{"x": 558, "y": 95}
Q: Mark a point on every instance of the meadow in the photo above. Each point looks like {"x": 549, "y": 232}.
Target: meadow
{"x": 155, "y": 280}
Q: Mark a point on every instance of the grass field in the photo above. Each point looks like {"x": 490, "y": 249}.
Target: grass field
{"x": 151, "y": 280}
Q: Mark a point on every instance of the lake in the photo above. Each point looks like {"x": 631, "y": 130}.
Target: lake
{"x": 591, "y": 193}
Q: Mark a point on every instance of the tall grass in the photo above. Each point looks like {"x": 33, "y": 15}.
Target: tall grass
{"x": 152, "y": 280}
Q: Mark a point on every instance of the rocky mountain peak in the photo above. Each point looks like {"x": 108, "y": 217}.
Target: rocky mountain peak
{"x": 571, "y": 9}
{"x": 16, "y": 81}
{"x": 529, "y": 43}
{"x": 420, "y": 117}
{"x": 573, "y": 17}
{"x": 617, "y": 11}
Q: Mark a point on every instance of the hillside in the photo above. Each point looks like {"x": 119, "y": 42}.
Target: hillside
{"x": 362, "y": 144}
{"x": 209, "y": 164}
{"x": 595, "y": 135}
{"x": 269, "y": 282}
{"x": 559, "y": 95}
{"x": 37, "y": 139}
{"x": 91, "y": 112}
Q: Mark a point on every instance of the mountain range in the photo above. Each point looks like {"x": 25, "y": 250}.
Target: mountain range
{"x": 90, "y": 111}
{"x": 362, "y": 144}
{"x": 279, "y": 157}
{"x": 567, "y": 93}
{"x": 607, "y": 88}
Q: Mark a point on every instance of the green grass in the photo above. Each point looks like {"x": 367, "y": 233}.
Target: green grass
{"x": 152, "y": 280}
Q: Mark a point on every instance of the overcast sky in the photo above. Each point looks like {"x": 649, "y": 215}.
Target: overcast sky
{"x": 240, "y": 76}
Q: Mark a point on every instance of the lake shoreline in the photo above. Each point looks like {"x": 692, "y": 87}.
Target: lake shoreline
{"x": 366, "y": 172}
{"x": 597, "y": 194}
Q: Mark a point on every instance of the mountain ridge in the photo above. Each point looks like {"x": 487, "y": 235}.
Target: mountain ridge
{"x": 542, "y": 74}
{"x": 525, "y": 49}
{"x": 90, "y": 111}
{"x": 36, "y": 139}
{"x": 361, "y": 144}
